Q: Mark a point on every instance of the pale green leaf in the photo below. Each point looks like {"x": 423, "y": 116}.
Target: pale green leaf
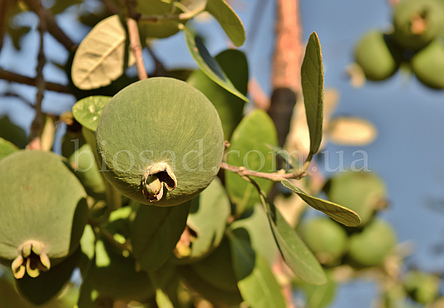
{"x": 248, "y": 149}
{"x": 87, "y": 111}
{"x": 339, "y": 213}
{"x": 162, "y": 300}
{"x": 228, "y": 19}
{"x": 100, "y": 57}
{"x": 312, "y": 79}
{"x": 256, "y": 281}
{"x": 208, "y": 64}
{"x": 7, "y": 148}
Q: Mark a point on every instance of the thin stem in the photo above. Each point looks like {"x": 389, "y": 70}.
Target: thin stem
{"x": 136, "y": 48}
{"x": 275, "y": 177}
{"x": 109, "y": 237}
{"x": 13, "y": 77}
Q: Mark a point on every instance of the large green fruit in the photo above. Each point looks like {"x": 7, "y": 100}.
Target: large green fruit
{"x": 428, "y": 65}
{"x": 417, "y": 22}
{"x": 161, "y": 141}
{"x": 325, "y": 238}
{"x": 376, "y": 54}
{"x": 362, "y": 192}
{"x": 371, "y": 246}
{"x": 421, "y": 287}
{"x": 44, "y": 211}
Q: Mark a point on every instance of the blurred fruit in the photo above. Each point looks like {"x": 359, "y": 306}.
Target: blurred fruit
{"x": 362, "y": 192}
{"x": 373, "y": 244}
{"x": 417, "y": 22}
{"x": 377, "y": 55}
{"x": 421, "y": 287}
{"x": 428, "y": 65}
{"x": 325, "y": 238}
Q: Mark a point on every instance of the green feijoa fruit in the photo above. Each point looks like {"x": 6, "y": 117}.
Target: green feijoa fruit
{"x": 376, "y": 54}
{"x": 417, "y": 23}
{"x": 373, "y": 244}
{"x": 325, "y": 238}
{"x": 362, "y": 192}
{"x": 161, "y": 141}
{"x": 421, "y": 286}
{"x": 44, "y": 211}
{"x": 428, "y": 65}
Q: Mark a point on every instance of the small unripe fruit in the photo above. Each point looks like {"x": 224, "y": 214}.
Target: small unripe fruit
{"x": 161, "y": 141}
{"x": 428, "y": 65}
{"x": 421, "y": 287}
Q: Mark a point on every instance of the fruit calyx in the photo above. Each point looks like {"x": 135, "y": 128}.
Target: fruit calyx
{"x": 32, "y": 260}
{"x": 153, "y": 180}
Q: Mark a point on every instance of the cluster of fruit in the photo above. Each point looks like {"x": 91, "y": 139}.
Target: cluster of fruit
{"x": 366, "y": 246}
{"x": 416, "y": 39}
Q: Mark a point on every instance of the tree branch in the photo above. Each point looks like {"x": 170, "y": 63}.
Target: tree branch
{"x": 136, "y": 48}
{"x": 275, "y": 177}
{"x": 52, "y": 26}
{"x": 13, "y": 77}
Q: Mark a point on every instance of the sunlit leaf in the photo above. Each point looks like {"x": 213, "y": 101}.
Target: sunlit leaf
{"x": 228, "y": 19}
{"x": 7, "y": 148}
{"x": 162, "y": 300}
{"x": 230, "y": 107}
{"x": 248, "y": 149}
{"x": 155, "y": 231}
{"x": 87, "y": 111}
{"x": 256, "y": 280}
{"x": 100, "y": 57}
{"x": 312, "y": 79}
{"x": 208, "y": 64}
{"x": 339, "y": 213}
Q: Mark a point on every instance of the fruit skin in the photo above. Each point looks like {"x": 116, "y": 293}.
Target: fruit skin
{"x": 428, "y": 65}
{"x": 421, "y": 287}
{"x": 160, "y": 120}
{"x": 377, "y": 55}
{"x": 325, "y": 238}
{"x": 373, "y": 244}
{"x": 427, "y": 13}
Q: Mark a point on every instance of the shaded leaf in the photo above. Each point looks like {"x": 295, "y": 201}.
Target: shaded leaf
{"x": 155, "y": 231}
{"x": 100, "y": 57}
{"x": 248, "y": 149}
{"x": 312, "y": 79}
{"x": 208, "y": 64}
{"x": 339, "y": 213}
{"x": 228, "y": 19}
{"x": 7, "y": 148}
{"x": 13, "y": 133}
{"x": 256, "y": 280}
{"x": 230, "y": 107}
{"x": 87, "y": 111}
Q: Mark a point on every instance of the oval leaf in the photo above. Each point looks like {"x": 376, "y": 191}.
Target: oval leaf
{"x": 228, "y": 19}
{"x": 155, "y": 231}
{"x": 208, "y": 64}
{"x": 256, "y": 281}
{"x": 100, "y": 57}
{"x": 312, "y": 79}
{"x": 337, "y": 212}
{"x": 230, "y": 107}
{"x": 248, "y": 149}
{"x": 7, "y": 148}
{"x": 87, "y": 111}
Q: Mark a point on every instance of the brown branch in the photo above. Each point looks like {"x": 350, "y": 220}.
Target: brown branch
{"x": 52, "y": 26}
{"x": 275, "y": 177}
{"x": 13, "y": 77}
{"x": 22, "y": 98}
{"x": 136, "y": 48}
{"x": 4, "y": 9}
{"x": 37, "y": 123}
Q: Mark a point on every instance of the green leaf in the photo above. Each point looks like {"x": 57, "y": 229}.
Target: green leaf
{"x": 48, "y": 284}
{"x": 155, "y": 231}
{"x": 228, "y": 19}
{"x": 293, "y": 250}
{"x": 256, "y": 280}
{"x": 208, "y": 217}
{"x": 13, "y": 133}
{"x": 248, "y": 149}
{"x": 162, "y": 28}
{"x": 312, "y": 79}
{"x": 230, "y": 107}
{"x": 208, "y": 64}
{"x": 7, "y": 148}
{"x": 100, "y": 57}
{"x": 337, "y": 212}
{"x": 162, "y": 300}
{"x": 87, "y": 111}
